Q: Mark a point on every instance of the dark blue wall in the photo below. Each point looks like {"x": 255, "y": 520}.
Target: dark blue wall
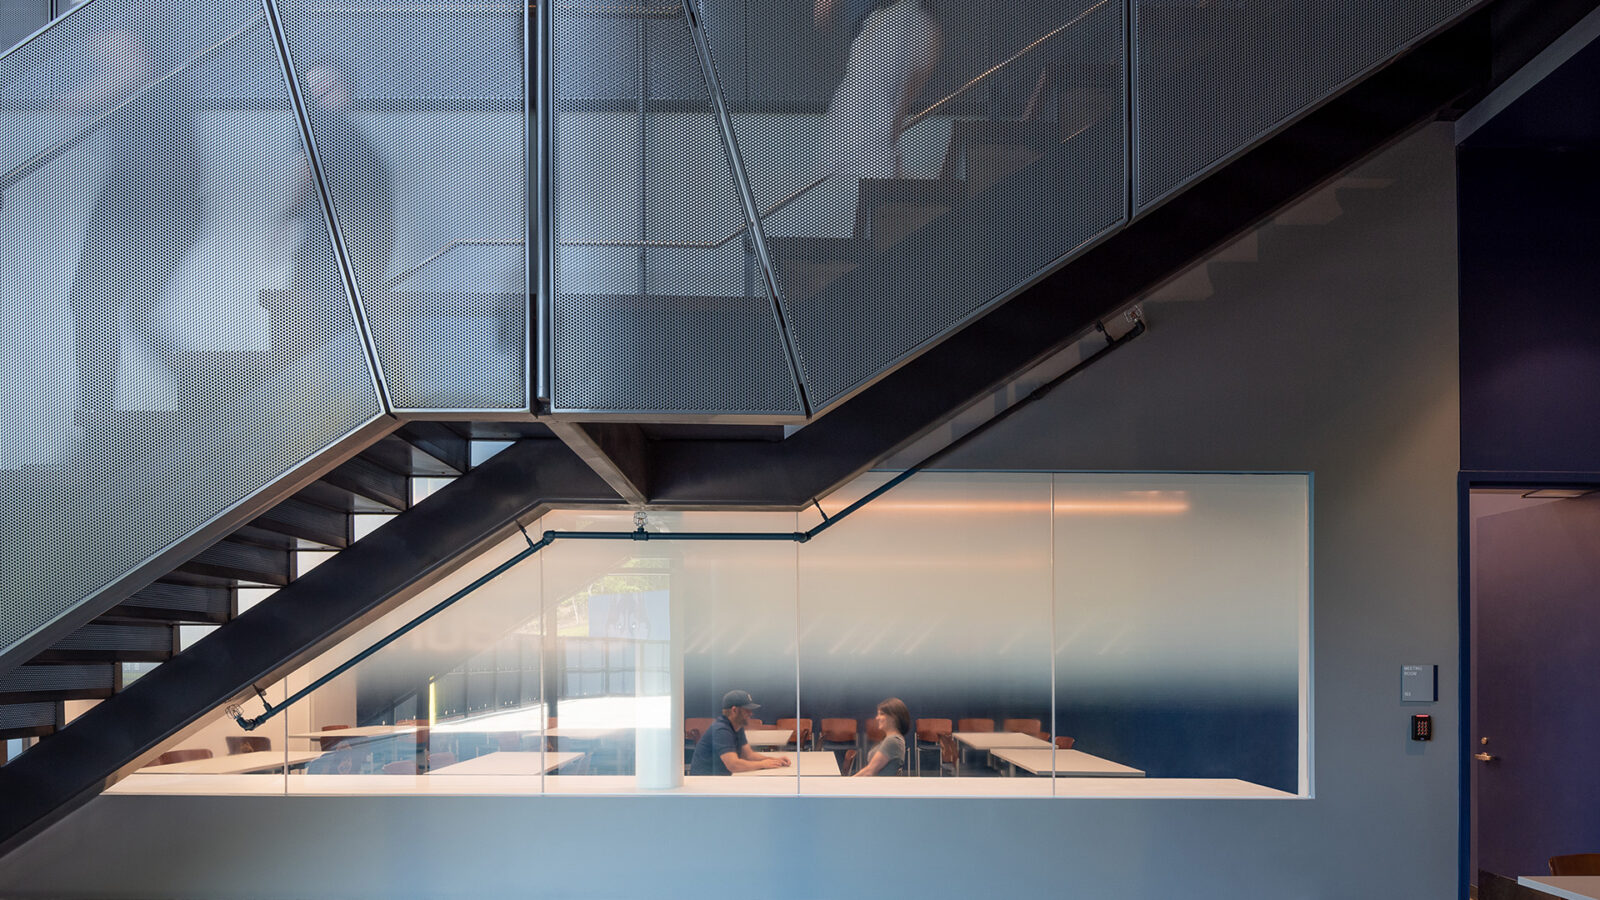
{"x": 1530, "y": 309}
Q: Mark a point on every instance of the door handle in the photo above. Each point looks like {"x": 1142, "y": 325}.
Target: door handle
{"x": 1484, "y": 757}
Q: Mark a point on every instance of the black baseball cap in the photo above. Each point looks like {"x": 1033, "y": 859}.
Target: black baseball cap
{"x": 740, "y": 699}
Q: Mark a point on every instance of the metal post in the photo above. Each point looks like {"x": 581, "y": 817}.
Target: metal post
{"x": 543, "y": 72}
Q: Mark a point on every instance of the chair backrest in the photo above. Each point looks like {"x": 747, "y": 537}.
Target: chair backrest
{"x": 178, "y": 756}
{"x": 694, "y": 728}
{"x": 247, "y": 743}
{"x": 1064, "y": 743}
{"x": 975, "y": 725}
{"x": 1024, "y": 726}
{"x": 755, "y": 723}
{"x": 839, "y": 730}
{"x": 1575, "y": 864}
{"x": 412, "y": 722}
{"x": 334, "y": 727}
{"x": 849, "y": 765}
{"x": 400, "y": 767}
{"x": 800, "y": 727}
{"x": 874, "y": 733}
{"x": 948, "y": 749}
{"x": 928, "y": 730}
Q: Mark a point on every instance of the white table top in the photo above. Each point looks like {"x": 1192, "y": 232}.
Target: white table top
{"x": 363, "y": 731}
{"x": 1066, "y": 762}
{"x": 812, "y": 762}
{"x": 237, "y": 763}
{"x": 995, "y": 740}
{"x": 1572, "y": 887}
{"x": 768, "y": 737}
{"x": 509, "y": 762}
{"x": 577, "y": 734}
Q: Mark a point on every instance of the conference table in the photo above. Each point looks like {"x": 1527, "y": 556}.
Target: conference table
{"x": 510, "y": 762}
{"x": 989, "y": 741}
{"x": 236, "y": 763}
{"x": 1053, "y": 761}
{"x": 807, "y": 762}
{"x": 1569, "y": 887}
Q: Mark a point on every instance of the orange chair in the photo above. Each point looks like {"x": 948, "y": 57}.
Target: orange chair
{"x": 1034, "y": 727}
{"x": 975, "y": 725}
{"x": 838, "y": 734}
{"x": 400, "y": 767}
{"x": 178, "y": 756}
{"x": 801, "y": 738}
{"x": 927, "y": 737}
{"x": 875, "y": 734}
{"x": 1064, "y": 743}
{"x": 247, "y": 743}
{"x": 1575, "y": 864}
{"x": 848, "y": 767}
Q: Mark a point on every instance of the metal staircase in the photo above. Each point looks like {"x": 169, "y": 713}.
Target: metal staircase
{"x": 605, "y": 458}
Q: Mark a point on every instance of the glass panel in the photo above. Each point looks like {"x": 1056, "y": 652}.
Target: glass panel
{"x": 1182, "y": 608}
{"x": 659, "y": 302}
{"x": 148, "y": 154}
{"x": 458, "y": 697}
{"x": 416, "y": 110}
{"x": 897, "y": 152}
{"x": 938, "y": 595}
{"x": 645, "y": 640}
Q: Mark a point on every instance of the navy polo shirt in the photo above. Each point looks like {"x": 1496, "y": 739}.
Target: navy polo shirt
{"x": 720, "y": 738}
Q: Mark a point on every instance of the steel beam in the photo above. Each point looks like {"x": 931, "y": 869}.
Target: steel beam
{"x": 304, "y": 619}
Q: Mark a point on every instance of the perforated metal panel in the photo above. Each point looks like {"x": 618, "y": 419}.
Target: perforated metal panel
{"x": 160, "y": 363}
{"x": 660, "y": 304}
{"x": 417, "y": 115}
{"x": 953, "y": 151}
{"x": 1211, "y": 79}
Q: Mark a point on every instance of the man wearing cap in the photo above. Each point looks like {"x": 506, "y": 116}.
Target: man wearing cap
{"x": 723, "y": 749}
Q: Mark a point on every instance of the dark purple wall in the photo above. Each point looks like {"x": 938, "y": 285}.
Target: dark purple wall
{"x": 1530, "y": 309}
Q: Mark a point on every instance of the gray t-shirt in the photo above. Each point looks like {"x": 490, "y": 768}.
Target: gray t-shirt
{"x": 894, "y": 747}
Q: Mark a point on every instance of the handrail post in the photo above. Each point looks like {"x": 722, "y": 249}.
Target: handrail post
{"x": 758, "y": 236}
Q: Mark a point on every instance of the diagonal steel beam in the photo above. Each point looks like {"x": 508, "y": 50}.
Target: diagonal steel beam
{"x": 323, "y": 607}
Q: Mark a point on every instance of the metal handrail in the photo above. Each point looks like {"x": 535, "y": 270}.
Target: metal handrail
{"x": 251, "y": 723}
{"x": 702, "y": 245}
{"x": 446, "y": 249}
{"x": 990, "y": 72}
{"x": 45, "y": 157}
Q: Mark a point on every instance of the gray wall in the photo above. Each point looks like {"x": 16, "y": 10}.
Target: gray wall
{"x": 1334, "y": 353}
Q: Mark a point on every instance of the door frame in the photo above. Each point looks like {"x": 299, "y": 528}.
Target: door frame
{"x": 1466, "y": 481}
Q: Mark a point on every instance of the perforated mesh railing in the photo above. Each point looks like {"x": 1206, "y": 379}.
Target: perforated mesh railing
{"x": 1214, "y": 78}
{"x": 417, "y": 114}
{"x": 660, "y": 303}
{"x": 944, "y": 154}
{"x": 162, "y": 362}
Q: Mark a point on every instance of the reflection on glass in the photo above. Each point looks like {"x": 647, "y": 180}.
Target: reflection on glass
{"x": 937, "y": 595}
{"x": 993, "y": 634}
{"x": 1181, "y": 608}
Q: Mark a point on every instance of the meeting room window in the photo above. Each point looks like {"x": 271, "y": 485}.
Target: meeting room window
{"x": 1006, "y": 634}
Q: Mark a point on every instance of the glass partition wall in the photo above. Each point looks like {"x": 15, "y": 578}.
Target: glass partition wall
{"x": 965, "y": 634}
